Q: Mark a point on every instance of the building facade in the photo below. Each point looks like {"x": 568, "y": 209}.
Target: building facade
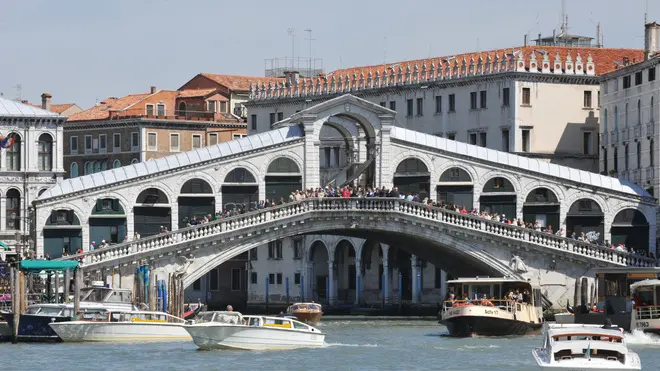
{"x": 29, "y": 165}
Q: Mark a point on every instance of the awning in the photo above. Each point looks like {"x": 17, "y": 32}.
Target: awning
{"x": 645, "y": 283}
{"x": 48, "y": 265}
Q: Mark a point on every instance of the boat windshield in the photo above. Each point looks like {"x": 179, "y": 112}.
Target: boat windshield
{"x": 307, "y": 307}
{"x": 44, "y": 311}
{"x": 573, "y": 337}
{"x": 231, "y": 318}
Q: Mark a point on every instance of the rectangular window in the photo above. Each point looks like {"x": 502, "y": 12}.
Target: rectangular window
{"x": 196, "y": 141}
{"x": 587, "y": 143}
{"x": 213, "y": 280}
{"x": 161, "y": 109}
{"x": 452, "y": 103}
{"x": 253, "y": 278}
{"x": 103, "y": 143}
{"x": 587, "y": 99}
{"x": 393, "y": 105}
{"x": 223, "y": 107}
{"x": 473, "y": 100}
{"x": 272, "y": 118}
{"x": 174, "y": 142}
{"x": 651, "y": 74}
{"x": 438, "y": 103}
{"x": 88, "y": 143}
{"x": 116, "y": 142}
{"x": 279, "y": 278}
{"x": 526, "y": 96}
{"x": 505, "y": 140}
{"x": 473, "y": 138}
{"x": 383, "y": 104}
{"x": 238, "y": 136}
{"x": 438, "y": 278}
{"x": 253, "y": 254}
{"x": 152, "y": 142}
{"x": 73, "y": 145}
{"x": 197, "y": 285}
{"x": 638, "y": 78}
{"x": 482, "y": 99}
{"x": 150, "y": 109}
{"x": 420, "y": 106}
{"x": 280, "y": 116}
{"x": 482, "y": 139}
{"x": 505, "y": 97}
{"x": 525, "y": 140}
{"x": 451, "y": 136}
{"x": 235, "y": 279}
{"x": 626, "y": 82}
{"x": 296, "y": 278}
{"x": 213, "y": 139}
{"x": 135, "y": 141}
{"x": 253, "y": 122}
{"x": 211, "y": 105}
{"x": 409, "y": 107}
{"x": 271, "y": 278}
{"x": 297, "y": 249}
{"x": 275, "y": 250}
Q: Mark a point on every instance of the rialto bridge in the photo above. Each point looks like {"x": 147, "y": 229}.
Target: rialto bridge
{"x": 144, "y": 210}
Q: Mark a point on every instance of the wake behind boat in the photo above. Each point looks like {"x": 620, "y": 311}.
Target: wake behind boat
{"x": 585, "y": 347}
{"x": 232, "y": 330}
{"x": 122, "y": 327}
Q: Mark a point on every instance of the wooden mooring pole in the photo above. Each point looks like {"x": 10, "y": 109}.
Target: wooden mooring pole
{"x": 77, "y": 276}
{"x": 15, "y": 303}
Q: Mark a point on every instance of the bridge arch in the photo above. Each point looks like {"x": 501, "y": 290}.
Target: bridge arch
{"x": 107, "y": 220}
{"x": 344, "y": 270}
{"x": 318, "y": 258}
{"x": 62, "y": 233}
{"x": 196, "y": 200}
{"x": 543, "y": 206}
{"x": 500, "y": 196}
{"x": 282, "y": 177}
{"x": 240, "y": 189}
{"x": 630, "y": 228}
{"x": 456, "y": 186}
{"x": 413, "y": 175}
{"x": 152, "y": 211}
{"x": 585, "y": 215}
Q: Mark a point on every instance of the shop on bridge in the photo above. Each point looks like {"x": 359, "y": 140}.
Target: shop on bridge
{"x": 631, "y": 228}
{"x": 499, "y": 196}
{"x": 412, "y": 176}
{"x": 196, "y": 200}
{"x": 542, "y": 206}
{"x": 584, "y": 216}
{"x": 240, "y": 189}
{"x": 282, "y": 177}
{"x": 107, "y": 222}
{"x": 456, "y": 187}
{"x": 151, "y": 212}
{"x": 62, "y": 233}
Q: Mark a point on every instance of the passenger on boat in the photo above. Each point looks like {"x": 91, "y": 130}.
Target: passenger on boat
{"x": 451, "y": 300}
{"x": 466, "y": 298}
{"x": 485, "y": 302}
{"x": 230, "y": 308}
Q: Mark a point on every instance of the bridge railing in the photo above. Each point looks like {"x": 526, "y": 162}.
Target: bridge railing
{"x": 438, "y": 214}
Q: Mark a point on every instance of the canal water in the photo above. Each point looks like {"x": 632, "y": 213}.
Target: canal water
{"x": 351, "y": 345}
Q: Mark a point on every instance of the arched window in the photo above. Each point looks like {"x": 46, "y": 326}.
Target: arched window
{"x": 605, "y": 122}
{"x": 652, "y": 115}
{"x": 14, "y": 153}
{"x": 639, "y": 155}
{"x": 411, "y": 166}
{"x": 97, "y": 167}
{"x": 616, "y": 160}
{"x": 196, "y": 186}
{"x": 104, "y": 165}
{"x": 182, "y": 109}
{"x": 625, "y": 117}
{"x": 116, "y": 164}
{"x": 41, "y": 192}
{"x": 283, "y": 165}
{"x": 616, "y": 118}
{"x": 135, "y": 161}
{"x": 74, "y": 170}
{"x": 45, "y": 152}
{"x": 89, "y": 168}
{"x": 605, "y": 169}
{"x": 639, "y": 111}
{"x": 625, "y": 158}
{"x": 13, "y": 209}
{"x": 240, "y": 175}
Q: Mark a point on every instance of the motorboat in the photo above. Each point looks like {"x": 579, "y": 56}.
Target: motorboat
{"x": 232, "y": 330}
{"x": 645, "y": 314}
{"x": 306, "y": 312}
{"x": 585, "y": 347}
{"x": 109, "y": 326}
{"x": 34, "y": 326}
{"x": 480, "y": 313}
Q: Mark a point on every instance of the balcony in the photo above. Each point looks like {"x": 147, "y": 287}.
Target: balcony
{"x": 650, "y": 129}
{"x": 638, "y": 131}
{"x": 614, "y": 135}
{"x": 603, "y": 138}
{"x": 170, "y": 115}
{"x": 635, "y": 176}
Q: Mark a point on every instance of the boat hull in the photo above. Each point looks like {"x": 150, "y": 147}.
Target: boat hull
{"x": 82, "y": 331}
{"x": 221, "y": 336}
{"x": 308, "y": 317}
{"x": 5, "y": 331}
{"x": 34, "y": 328}
{"x": 465, "y": 326}
{"x": 582, "y": 364}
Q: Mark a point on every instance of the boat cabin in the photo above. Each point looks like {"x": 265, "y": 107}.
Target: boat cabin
{"x": 141, "y": 316}
{"x": 304, "y": 307}
{"x": 236, "y": 318}
{"x": 646, "y": 305}
{"x": 566, "y": 342}
{"x": 493, "y": 290}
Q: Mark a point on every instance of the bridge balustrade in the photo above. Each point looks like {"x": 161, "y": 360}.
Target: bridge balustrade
{"x": 358, "y": 205}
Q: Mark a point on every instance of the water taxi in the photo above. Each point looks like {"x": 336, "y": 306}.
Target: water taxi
{"x": 232, "y": 330}
{"x": 306, "y": 312}
{"x": 646, "y": 309}
{"x": 111, "y": 326}
{"x": 480, "y": 313}
{"x": 585, "y": 347}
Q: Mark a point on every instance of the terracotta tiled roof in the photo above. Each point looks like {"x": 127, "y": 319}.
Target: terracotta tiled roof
{"x": 59, "y": 108}
{"x": 101, "y": 111}
{"x": 604, "y": 58}
{"x": 240, "y": 83}
{"x": 194, "y": 93}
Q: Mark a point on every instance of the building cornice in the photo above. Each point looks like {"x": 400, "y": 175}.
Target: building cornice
{"x": 631, "y": 69}
{"x": 174, "y": 124}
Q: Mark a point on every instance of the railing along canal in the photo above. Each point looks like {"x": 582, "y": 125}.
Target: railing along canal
{"x": 438, "y": 214}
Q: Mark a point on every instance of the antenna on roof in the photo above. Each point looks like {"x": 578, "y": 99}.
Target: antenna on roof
{"x": 19, "y": 92}
{"x": 310, "y": 47}
{"x": 385, "y": 50}
{"x": 292, "y": 33}
{"x": 646, "y": 12}
{"x": 564, "y": 18}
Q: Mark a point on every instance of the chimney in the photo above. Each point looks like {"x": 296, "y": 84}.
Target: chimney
{"x": 651, "y": 36}
{"x": 45, "y": 101}
{"x": 525, "y": 42}
{"x": 153, "y": 90}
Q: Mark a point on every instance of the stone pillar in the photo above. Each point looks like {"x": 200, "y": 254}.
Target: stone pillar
{"x": 130, "y": 225}
{"x": 174, "y": 212}
{"x": 218, "y": 201}
{"x": 331, "y": 282}
{"x": 443, "y": 284}
{"x": 415, "y": 273}
{"x": 312, "y": 177}
{"x": 383, "y": 163}
{"x": 358, "y": 279}
{"x": 386, "y": 272}
{"x": 563, "y": 211}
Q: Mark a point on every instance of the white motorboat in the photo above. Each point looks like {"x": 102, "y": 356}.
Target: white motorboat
{"x": 122, "y": 327}
{"x": 232, "y": 330}
{"x": 646, "y": 311}
{"x": 585, "y": 347}
{"x": 565, "y": 318}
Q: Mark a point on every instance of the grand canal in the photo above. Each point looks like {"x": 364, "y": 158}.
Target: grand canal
{"x": 351, "y": 345}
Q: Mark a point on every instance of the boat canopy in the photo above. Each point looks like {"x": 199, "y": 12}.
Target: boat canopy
{"x": 48, "y": 265}
{"x": 644, "y": 283}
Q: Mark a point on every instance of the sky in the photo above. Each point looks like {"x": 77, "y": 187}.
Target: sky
{"x": 83, "y": 51}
